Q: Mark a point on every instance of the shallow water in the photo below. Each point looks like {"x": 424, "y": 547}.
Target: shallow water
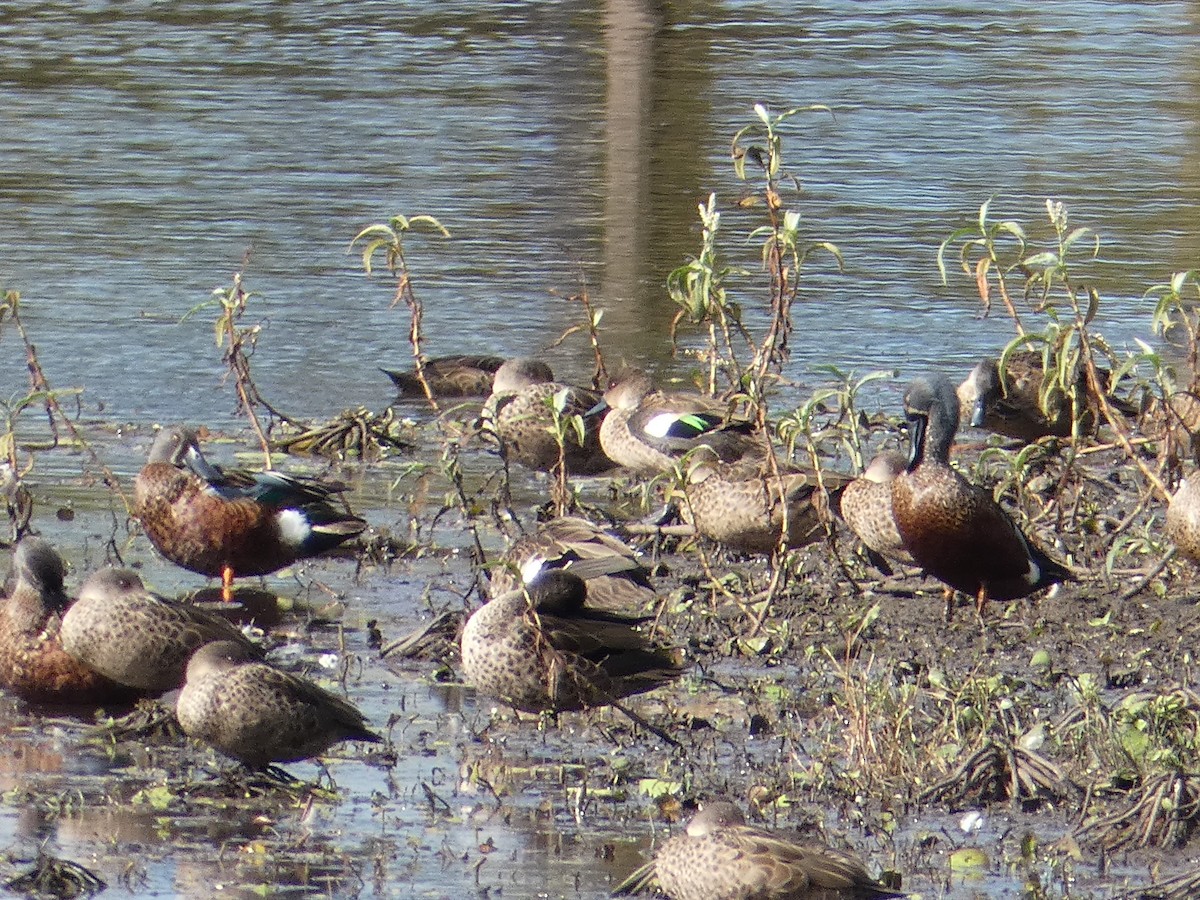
{"x": 145, "y": 150}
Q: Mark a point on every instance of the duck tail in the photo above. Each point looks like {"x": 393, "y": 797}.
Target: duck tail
{"x": 1052, "y": 571}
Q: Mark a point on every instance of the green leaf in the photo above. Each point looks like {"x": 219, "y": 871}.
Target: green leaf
{"x": 160, "y": 797}
{"x": 658, "y": 787}
{"x": 969, "y": 860}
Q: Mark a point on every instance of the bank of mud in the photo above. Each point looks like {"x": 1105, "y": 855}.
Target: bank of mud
{"x": 1058, "y": 736}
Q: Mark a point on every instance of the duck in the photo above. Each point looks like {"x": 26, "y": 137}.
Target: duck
{"x": 1012, "y": 405}
{"x": 616, "y": 579}
{"x": 1183, "y": 518}
{"x": 259, "y": 714}
{"x": 224, "y": 523}
{"x": 33, "y": 663}
{"x": 742, "y": 505}
{"x": 519, "y": 416}
{"x": 955, "y": 530}
{"x": 1174, "y": 422}
{"x": 647, "y": 430}
{"x": 136, "y": 638}
{"x": 461, "y": 375}
{"x": 542, "y": 648}
{"x": 720, "y": 857}
{"x": 866, "y": 506}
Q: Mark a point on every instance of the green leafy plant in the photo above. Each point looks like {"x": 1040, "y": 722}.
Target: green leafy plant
{"x": 1076, "y": 362}
{"x": 237, "y": 342}
{"x": 702, "y": 288}
{"x": 389, "y": 238}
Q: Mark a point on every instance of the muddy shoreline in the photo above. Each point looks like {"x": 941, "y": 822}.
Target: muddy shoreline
{"x": 856, "y": 714}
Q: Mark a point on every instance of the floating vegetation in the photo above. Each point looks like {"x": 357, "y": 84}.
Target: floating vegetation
{"x": 149, "y": 720}
{"x": 1002, "y": 770}
{"x": 356, "y": 433}
{"x": 240, "y": 782}
{"x": 1162, "y": 814}
{"x": 53, "y": 877}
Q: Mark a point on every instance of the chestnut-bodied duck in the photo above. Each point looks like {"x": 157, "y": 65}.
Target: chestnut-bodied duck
{"x": 520, "y": 417}
{"x": 33, "y": 663}
{"x": 647, "y": 430}
{"x": 224, "y": 523}
{"x": 955, "y": 530}
{"x": 449, "y": 376}
{"x": 720, "y": 857}
{"x": 866, "y": 505}
{"x": 137, "y": 638}
{"x": 745, "y": 505}
{"x": 541, "y": 647}
{"x": 616, "y": 579}
{"x": 259, "y": 714}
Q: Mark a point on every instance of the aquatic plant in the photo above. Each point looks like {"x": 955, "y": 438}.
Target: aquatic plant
{"x": 389, "y": 237}
{"x": 1001, "y": 253}
{"x": 237, "y": 342}
{"x": 17, "y": 499}
{"x": 702, "y": 287}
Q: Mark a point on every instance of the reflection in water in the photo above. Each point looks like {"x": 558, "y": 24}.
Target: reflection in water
{"x": 658, "y": 163}
{"x": 630, "y": 27}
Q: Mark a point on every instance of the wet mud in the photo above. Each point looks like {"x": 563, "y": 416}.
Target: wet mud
{"x": 1048, "y": 749}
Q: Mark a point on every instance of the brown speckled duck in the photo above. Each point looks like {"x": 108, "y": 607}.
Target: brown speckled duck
{"x": 542, "y": 648}
{"x": 519, "y": 416}
{"x": 720, "y": 857}
{"x": 226, "y": 523}
{"x": 33, "y": 663}
{"x": 955, "y": 530}
{"x": 449, "y": 376}
{"x": 258, "y": 714}
{"x": 647, "y": 430}
{"x": 137, "y": 638}
{"x": 616, "y": 579}
{"x": 742, "y": 505}
{"x": 1183, "y": 518}
{"x": 866, "y": 505}
{"x": 1011, "y": 403}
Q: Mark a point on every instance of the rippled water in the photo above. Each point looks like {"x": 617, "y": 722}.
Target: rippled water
{"x": 145, "y": 149}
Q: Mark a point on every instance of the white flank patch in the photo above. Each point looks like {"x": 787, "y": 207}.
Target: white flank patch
{"x": 1034, "y": 572}
{"x": 660, "y": 425}
{"x": 293, "y": 527}
{"x": 531, "y": 567}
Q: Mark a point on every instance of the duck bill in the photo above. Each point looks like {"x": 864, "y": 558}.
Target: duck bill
{"x": 979, "y": 412}
{"x": 200, "y": 466}
{"x": 916, "y": 435}
{"x": 597, "y": 409}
